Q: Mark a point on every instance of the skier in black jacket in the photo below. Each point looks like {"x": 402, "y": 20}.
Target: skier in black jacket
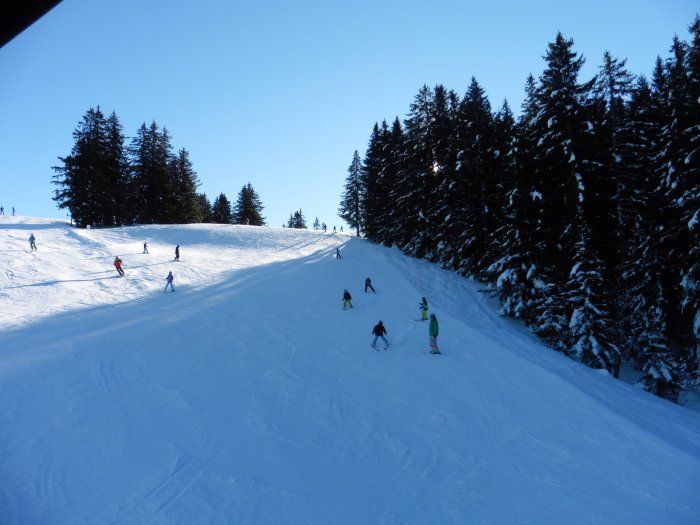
{"x": 379, "y": 331}
{"x": 368, "y": 284}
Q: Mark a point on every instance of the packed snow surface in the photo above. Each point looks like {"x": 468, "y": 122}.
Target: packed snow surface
{"x": 249, "y": 395}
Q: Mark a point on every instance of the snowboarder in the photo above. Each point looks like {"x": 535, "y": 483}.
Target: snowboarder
{"x": 177, "y": 252}
{"x": 379, "y": 331}
{"x": 118, "y": 266}
{"x": 346, "y": 300}
{"x": 145, "y": 247}
{"x": 423, "y": 309}
{"x": 433, "y": 333}
{"x": 169, "y": 282}
{"x": 337, "y": 253}
{"x": 32, "y": 242}
{"x": 368, "y": 284}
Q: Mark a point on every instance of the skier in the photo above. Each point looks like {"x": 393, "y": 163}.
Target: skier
{"x": 337, "y": 253}
{"x": 32, "y": 242}
{"x": 423, "y": 309}
{"x": 177, "y": 252}
{"x": 341, "y": 228}
{"x": 368, "y": 284}
{"x": 169, "y": 282}
{"x": 333, "y": 229}
{"x": 433, "y": 333}
{"x": 145, "y": 247}
{"x": 2, "y": 210}
{"x": 13, "y": 211}
{"x": 324, "y": 227}
{"x": 379, "y": 331}
{"x": 118, "y": 266}
{"x": 346, "y": 299}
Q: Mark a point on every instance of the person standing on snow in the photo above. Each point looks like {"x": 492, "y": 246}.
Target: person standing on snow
{"x": 337, "y": 253}
{"x": 368, "y": 284}
{"x": 423, "y": 309}
{"x": 2, "y": 210}
{"x": 13, "y": 211}
{"x": 145, "y": 247}
{"x": 379, "y": 331}
{"x": 32, "y": 242}
{"x": 177, "y": 252}
{"x": 118, "y": 266}
{"x": 433, "y": 334}
{"x": 169, "y": 282}
{"x": 346, "y": 300}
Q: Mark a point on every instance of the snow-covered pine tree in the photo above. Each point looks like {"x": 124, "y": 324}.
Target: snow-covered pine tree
{"x": 591, "y": 330}
{"x": 350, "y": 209}
{"x": 687, "y": 197}
{"x": 248, "y": 207}
{"x": 558, "y": 171}
{"x": 677, "y": 167}
{"x": 221, "y": 210}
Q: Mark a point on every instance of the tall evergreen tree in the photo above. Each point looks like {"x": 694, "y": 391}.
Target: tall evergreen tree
{"x": 204, "y": 206}
{"x": 350, "y": 204}
{"x": 93, "y": 177}
{"x": 248, "y": 207}
{"x": 185, "y": 201}
{"x": 221, "y": 210}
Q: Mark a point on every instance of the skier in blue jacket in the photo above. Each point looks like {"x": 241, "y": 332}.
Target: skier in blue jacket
{"x": 169, "y": 282}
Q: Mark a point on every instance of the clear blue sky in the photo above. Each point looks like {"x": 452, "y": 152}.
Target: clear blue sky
{"x": 281, "y": 93}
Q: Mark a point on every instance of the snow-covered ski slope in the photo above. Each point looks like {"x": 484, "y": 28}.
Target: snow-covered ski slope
{"x": 249, "y": 395}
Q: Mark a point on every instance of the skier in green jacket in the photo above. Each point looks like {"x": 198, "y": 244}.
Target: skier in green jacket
{"x": 433, "y": 333}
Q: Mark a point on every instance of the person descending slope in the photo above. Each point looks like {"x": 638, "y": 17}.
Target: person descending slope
{"x": 433, "y": 334}
{"x": 118, "y": 266}
{"x": 368, "y": 284}
{"x": 177, "y": 252}
{"x": 145, "y": 247}
{"x": 379, "y": 331}
{"x": 337, "y": 253}
{"x": 169, "y": 282}
{"x": 423, "y": 309}
{"x": 32, "y": 242}
{"x": 346, "y": 300}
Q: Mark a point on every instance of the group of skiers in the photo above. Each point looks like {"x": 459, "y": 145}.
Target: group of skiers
{"x": 2, "y": 210}
{"x": 379, "y": 331}
{"x": 168, "y": 280}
